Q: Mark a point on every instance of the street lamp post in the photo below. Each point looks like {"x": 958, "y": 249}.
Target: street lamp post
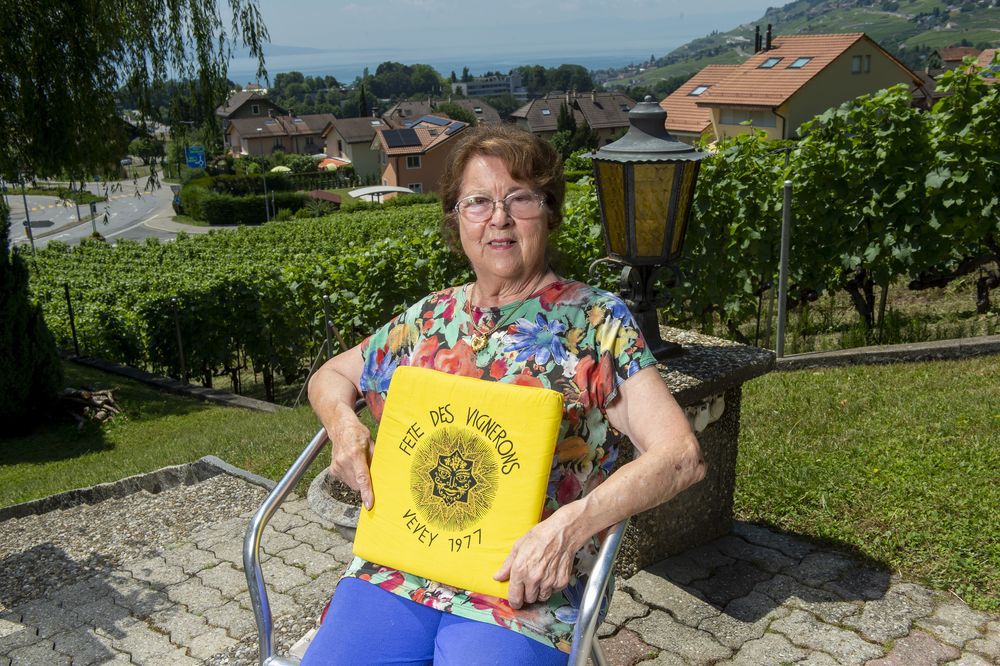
{"x": 645, "y": 185}
{"x": 27, "y": 218}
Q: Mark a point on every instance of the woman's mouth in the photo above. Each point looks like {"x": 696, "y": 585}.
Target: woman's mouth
{"x": 503, "y": 243}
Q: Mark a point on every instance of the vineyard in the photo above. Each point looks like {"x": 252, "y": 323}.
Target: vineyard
{"x": 247, "y": 298}
{"x": 884, "y": 195}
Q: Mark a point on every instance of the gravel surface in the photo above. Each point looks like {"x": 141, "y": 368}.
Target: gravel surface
{"x": 41, "y": 553}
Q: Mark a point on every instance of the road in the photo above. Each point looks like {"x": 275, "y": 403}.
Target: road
{"x": 130, "y": 212}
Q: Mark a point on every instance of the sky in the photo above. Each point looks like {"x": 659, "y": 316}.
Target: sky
{"x": 453, "y": 33}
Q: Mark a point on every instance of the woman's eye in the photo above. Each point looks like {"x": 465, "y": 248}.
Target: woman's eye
{"x": 478, "y": 201}
{"x": 520, "y": 198}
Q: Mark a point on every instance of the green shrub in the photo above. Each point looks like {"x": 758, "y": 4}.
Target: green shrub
{"x": 30, "y": 369}
{"x": 187, "y": 175}
{"x": 241, "y": 185}
{"x": 191, "y": 193}
{"x": 223, "y": 209}
{"x": 352, "y": 205}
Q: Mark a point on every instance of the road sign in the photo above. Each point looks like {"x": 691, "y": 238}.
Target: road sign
{"x": 195, "y": 156}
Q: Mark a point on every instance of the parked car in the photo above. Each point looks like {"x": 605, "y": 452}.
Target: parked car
{"x": 126, "y": 161}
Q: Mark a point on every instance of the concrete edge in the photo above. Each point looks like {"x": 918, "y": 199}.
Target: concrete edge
{"x": 694, "y": 394}
{"x": 905, "y": 353}
{"x": 238, "y": 472}
{"x": 154, "y": 482}
{"x": 176, "y": 386}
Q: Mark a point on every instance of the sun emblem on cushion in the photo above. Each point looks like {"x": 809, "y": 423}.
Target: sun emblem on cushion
{"x": 453, "y": 478}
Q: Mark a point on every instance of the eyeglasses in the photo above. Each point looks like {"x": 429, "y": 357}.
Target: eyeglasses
{"x": 520, "y": 205}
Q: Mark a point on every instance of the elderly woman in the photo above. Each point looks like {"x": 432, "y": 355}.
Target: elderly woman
{"x": 521, "y": 323}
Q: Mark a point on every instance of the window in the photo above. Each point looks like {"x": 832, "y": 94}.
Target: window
{"x": 376, "y": 123}
{"x": 799, "y": 63}
{"x": 413, "y": 161}
{"x": 756, "y": 117}
{"x": 546, "y": 112}
{"x": 769, "y": 63}
{"x": 255, "y": 109}
{"x": 477, "y": 109}
{"x": 856, "y": 64}
{"x": 698, "y": 90}
{"x": 868, "y": 63}
{"x": 416, "y": 187}
{"x": 340, "y": 147}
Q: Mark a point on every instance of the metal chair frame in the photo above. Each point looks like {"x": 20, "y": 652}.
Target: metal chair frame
{"x": 584, "y": 632}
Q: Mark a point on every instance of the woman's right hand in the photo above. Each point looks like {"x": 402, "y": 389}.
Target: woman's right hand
{"x": 351, "y": 451}
{"x": 333, "y": 389}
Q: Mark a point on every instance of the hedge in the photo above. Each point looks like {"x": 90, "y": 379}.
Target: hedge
{"x": 223, "y": 209}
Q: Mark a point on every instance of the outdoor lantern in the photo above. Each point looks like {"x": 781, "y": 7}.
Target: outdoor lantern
{"x": 645, "y": 184}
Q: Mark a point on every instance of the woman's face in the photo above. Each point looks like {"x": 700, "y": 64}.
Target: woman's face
{"x": 502, "y": 248}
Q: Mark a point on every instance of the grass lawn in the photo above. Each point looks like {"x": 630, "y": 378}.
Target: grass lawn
{"x": 901, "y": 463}
{"x": 159, "y": 429}
{"x": 187, "y": 219}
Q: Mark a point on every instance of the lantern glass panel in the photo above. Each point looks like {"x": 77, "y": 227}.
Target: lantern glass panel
{"x": 688, "y": 181}
{"x": 654, "y": 185}
{"x": 611, "y": 181}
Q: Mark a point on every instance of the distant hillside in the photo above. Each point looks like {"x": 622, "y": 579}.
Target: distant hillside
{"x": 909, "y": 29}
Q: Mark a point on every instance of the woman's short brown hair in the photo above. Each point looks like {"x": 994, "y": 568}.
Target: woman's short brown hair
{"x": 529, "y": 159}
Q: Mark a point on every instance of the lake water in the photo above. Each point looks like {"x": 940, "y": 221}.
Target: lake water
{"x": 345, "y": 64}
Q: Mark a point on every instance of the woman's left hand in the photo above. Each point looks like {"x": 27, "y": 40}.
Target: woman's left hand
{"x": 541, "y": 561}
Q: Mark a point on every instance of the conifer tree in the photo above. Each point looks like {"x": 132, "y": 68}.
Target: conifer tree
{"x": 30, "y": 369}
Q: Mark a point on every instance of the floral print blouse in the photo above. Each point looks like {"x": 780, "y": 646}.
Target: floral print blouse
{"x": 567, "y": 336}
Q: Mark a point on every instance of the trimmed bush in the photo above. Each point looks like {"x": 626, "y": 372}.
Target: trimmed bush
{"x": 223, "y": 209}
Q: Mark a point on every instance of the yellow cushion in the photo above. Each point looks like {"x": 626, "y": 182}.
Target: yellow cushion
{"x": 459, "y": 474}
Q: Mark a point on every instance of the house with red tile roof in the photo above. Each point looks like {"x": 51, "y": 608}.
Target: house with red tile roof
{"x": 289, "y": 134}
{"x": 986, "y": 59}
{"x": 351, "y": 139}
{"x": 247, "y": 104}
{"x": 415, "y": 156}
{"x": 401, "y": 113}
{"x": 948, "y": 57}
{"x": 687, "y": 121}
{"x": 604, "y": 112}
{"x": 798, "y": 77}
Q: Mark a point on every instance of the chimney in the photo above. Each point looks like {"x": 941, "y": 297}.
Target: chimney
{"x": 567, "y": 99}
{"x": 593, "y": 96}
{"x": 768, "y": 47}
{"x": 270, "y": 113}
{"x": 756, "y": 39}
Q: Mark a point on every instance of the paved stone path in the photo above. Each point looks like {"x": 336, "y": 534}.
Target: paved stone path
{"x": 157, "y": 579}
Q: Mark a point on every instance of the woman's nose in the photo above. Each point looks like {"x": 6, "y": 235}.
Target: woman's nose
{"x": 500, "y": 217}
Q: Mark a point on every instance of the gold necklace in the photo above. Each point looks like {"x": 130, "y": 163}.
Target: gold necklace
{"x": 481, "y": 338}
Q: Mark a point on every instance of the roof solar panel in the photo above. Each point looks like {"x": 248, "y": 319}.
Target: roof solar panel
{"x": 434, "y": 120}
{"x": 401, "y": 138}
{"x": 454, "y": 127}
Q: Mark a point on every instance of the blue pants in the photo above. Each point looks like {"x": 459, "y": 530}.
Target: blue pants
{"x": 367, "y": 625}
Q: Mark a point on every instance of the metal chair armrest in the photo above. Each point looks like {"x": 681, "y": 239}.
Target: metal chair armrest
{"x": 252, "y": 542}
{"x": 590, "y": 606}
